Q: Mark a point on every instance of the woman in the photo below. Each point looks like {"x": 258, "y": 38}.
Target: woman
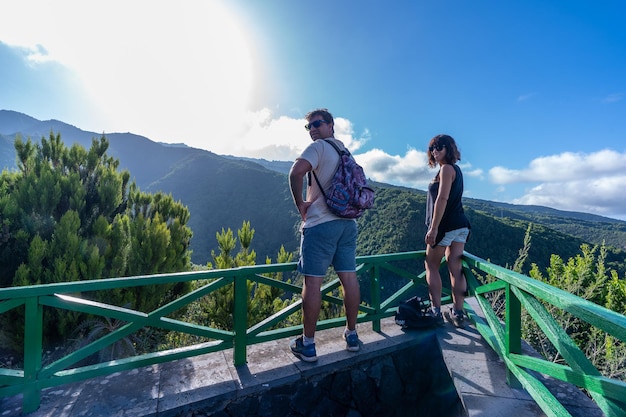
{"x": 448, "y": 228}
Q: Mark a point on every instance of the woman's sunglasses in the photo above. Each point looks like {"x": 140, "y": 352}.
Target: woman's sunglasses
{"x": 439, "y": 147}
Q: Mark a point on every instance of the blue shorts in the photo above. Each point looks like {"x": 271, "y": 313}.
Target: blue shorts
{"x": 457, "y": 235}
{"x": 330, "y": 243}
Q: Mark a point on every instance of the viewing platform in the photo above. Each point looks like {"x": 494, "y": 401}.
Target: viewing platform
{"x": 206, "y": 384}
{"x": 247, "y": 369}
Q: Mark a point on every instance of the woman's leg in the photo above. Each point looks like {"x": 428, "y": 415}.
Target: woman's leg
{"x": 433, "y": 278}
{"x": 454, "y": 254}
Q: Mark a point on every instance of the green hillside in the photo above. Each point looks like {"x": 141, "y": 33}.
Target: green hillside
{"x": 588, "y": 227}
{"x": 396, "y": 224}
{"x": 222, "y": 192}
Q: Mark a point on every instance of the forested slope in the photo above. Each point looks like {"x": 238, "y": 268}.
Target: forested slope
{"x": 396, "y": 224}
{"x": 222, "y": 192}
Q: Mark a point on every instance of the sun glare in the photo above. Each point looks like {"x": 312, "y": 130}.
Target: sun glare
{"x": 192, "y": 63}
{"x": 172, "y": 71}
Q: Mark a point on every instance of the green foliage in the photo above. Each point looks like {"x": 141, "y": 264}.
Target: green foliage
{"x": 267, "y": 300}
{"x": 69, "y": 215}
{"x": 91, "y": 330}
{"x": 222, "y": 193}
{"x": 616, "y": 294}
{"x": 216, "y": 309}
{"x": 586, "y": 276}
{"x": 523, "y": 253}
{"x": 394, "y": 224}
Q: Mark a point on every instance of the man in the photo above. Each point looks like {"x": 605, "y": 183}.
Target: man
{"x": 326, "y": 239}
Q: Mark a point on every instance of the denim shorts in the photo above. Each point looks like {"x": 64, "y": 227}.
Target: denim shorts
{"x": 330, "y": 243}
{"x": 457, "y": 235}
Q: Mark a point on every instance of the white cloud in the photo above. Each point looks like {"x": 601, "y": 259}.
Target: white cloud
{"x": 596, "y": 196}
{"x": 410, "y": 170}
{"x": 263, "y": 135}
{"x": 572, "y": 181}
{"x": 613, "y": 98}
{"x": 567, "y": 166}
{"x": 525, "y": 97}
{"x": 283, "y": 138}
{"x": 469, "y": 171}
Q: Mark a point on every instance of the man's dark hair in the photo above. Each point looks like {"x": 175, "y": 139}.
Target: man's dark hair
{"x": 328, "y": 118}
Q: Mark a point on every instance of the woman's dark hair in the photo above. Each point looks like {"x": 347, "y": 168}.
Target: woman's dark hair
{"x": 452, "y": 152}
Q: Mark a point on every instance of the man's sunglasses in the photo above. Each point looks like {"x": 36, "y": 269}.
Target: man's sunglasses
{"x": 439, "y": 147}
{"x": 314, "y": 124}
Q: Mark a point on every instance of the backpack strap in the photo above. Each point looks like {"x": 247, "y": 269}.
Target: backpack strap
{"x": 334, "y": 145}
{"x": 318, "y": 183}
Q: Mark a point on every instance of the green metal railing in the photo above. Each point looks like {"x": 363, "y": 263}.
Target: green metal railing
{"x": 405, "y": 270}
{"x": 504, "y": 337}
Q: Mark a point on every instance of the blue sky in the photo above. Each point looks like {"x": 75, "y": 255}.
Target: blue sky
{"x": 533, "y": 91}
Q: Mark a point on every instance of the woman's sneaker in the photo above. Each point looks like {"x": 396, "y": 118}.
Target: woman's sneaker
{"x": 454, "y": 317}
{"x": 306, "y": 353}
{"x": 352, "y": 342}
{"x": 437, "y": 317}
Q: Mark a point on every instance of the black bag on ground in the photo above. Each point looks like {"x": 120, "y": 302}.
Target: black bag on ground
{"x": 414, "y": 314}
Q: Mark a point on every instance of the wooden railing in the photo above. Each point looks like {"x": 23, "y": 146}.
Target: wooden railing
{"x": 403, "y": 272}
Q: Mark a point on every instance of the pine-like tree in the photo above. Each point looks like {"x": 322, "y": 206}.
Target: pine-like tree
{"x": 68, "y": 214}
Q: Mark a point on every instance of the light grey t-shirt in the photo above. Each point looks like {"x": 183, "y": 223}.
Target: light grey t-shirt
{"x": 324, "y": 159}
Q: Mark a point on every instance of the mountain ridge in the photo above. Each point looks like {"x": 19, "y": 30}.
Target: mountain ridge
{"x": 222, "y": 191}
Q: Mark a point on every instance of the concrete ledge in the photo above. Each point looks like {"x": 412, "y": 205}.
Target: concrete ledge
{"x": 212, "y": 379}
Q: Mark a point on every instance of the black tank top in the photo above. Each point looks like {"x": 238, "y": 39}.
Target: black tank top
{"x": 453, "y": 216}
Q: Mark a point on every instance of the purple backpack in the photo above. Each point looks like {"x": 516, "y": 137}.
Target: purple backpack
{"x": 349, "y": 195}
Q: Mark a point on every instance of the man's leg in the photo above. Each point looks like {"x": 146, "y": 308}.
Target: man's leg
{"x": 351, "y": 297}
{"x": 351, "y": 301}
{"x": 311, "y": 304}
{"x": 304, "y": 346}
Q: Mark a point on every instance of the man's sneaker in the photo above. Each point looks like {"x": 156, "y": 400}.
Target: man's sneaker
{"x": 456, "y": 319}
{"x": 306, "y": 353}
{"x": 352, "y": 342}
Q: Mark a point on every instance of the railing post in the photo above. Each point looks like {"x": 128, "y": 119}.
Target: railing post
{"x": 33, "y": 346}
{"x": 240, "y": 319}
{"x": 375, "y": 294}
{"x": 513, "y": 321}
